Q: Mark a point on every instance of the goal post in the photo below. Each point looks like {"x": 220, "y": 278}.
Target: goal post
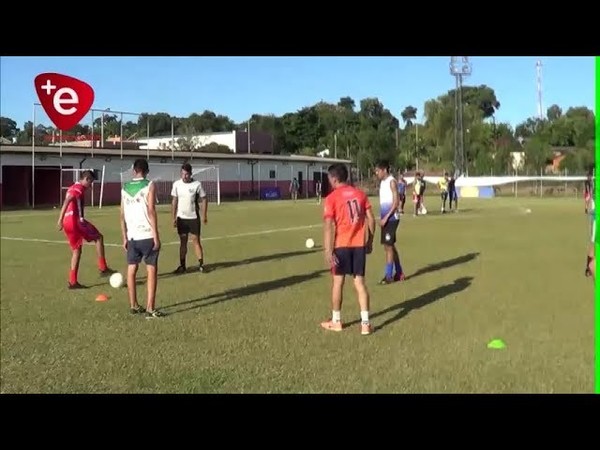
{"x": 70, "y": 176}
{"x": 163, "y": 176}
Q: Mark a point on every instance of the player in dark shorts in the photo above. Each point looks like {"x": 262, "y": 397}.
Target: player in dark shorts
{"x": 452, "y": 194}
{"x": 319, "y": 191}
{"x": 348, "y": 238}
{"x": 187, "y": 194}
{"x": 402, "y": 184}
{"x": 141, "y": 240}
{"x": 389, "y": 221}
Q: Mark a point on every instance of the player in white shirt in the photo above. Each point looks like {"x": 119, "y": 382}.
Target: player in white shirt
{"x": 140, "y": 235}
{"x": 187, "y": 195}
{"x": 389, "y": 201}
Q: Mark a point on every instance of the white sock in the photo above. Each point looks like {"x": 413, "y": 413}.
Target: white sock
{"x": 336, "y": 316}
{"x": 364, "y": 316}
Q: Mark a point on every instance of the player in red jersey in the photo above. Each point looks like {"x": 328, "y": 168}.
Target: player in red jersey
{"x": 76, "y": 228}
{"x": 348, "y": 238}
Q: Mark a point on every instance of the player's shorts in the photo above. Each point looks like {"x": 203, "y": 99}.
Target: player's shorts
{"x": 351, "y": 261}
{"x": 142, "y": 249}
{"x": 77, "y": 231}
{"x": 188, "y": 226}
{"x": 388, "y": 232}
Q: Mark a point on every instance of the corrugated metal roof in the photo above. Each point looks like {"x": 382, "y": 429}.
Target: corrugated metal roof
{"x": 22, "y": 149}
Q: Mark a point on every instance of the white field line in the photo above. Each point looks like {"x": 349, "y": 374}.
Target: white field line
{"x": 210, "y": 238}
{"x": 114, "y": 210}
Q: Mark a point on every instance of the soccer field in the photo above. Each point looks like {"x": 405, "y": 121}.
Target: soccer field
{"x": 251, "y": 325}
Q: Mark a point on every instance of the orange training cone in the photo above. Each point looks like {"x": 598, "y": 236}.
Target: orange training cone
{"x": 101, "y": 298}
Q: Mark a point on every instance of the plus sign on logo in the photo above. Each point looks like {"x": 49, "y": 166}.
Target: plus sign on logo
{"x": 65, "y": 99}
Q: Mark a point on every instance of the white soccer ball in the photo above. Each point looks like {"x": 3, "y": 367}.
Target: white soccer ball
{"x": 116, "y": 280}
{"x": 310, "y": 243}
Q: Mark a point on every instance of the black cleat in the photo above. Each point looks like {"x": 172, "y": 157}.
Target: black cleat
{"x": 588, "y": 272}
{"x": 201, "y": 269}
{"x": 179, "y": 270}
{"x": 386, "y": 280}
{"x": 107, "y": 272}
{"x": 77, "y": 286}
{"x": 137, "y": 310}
{"x": 154, "y": 314}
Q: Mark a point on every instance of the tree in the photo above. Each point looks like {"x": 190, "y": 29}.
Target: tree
{"x": 409, "y": 114}
{"x": 370, "y": 132}
{"x": 347, "y": 104}
{"x": 537, "y": 154}
{"x": 553, "y": 113}
{"x": 8, "y": 128}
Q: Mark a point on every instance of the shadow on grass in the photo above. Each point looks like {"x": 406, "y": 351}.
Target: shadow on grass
{"x": 437, "y": 212}
{"x": 261, "y": 258}
{"x": 404, "y": 308}
{"x": 229, "y": 264}
{"x": 444, "y": 264}
{"x": 232, "y": 294}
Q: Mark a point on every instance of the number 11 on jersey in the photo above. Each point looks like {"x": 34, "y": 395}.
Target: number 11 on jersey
{"x": 353, "y": 210}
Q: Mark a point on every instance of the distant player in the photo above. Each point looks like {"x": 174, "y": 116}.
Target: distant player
{"x": 590, "y": 209}
{"x": 588, "y": 189}
{"x": 452, "y": 194}
{"x": 590, "y": 270}
{"x": 71, "y": 220}
{"x": 348, "y": 238}
{"x": 319, "y": 191}
{"x": 443, "y": 185}
{"x": 141, "y": 240}
{"x": 401, "y": 192}
{"x": 294, "y": 188}
{"x": 418, "y": 190}
{"x": 187, "y": 195}
{"x": 389, "y": 220}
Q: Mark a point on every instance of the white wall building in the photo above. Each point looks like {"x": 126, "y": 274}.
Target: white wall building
{"x": 227, "y": 138}
{"x": 237, "y": 176}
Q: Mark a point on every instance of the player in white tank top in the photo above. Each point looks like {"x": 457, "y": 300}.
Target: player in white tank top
{"x": 389, "y": 200}
{"x": 386, "y": 199}
{"x": 140, "y": 236}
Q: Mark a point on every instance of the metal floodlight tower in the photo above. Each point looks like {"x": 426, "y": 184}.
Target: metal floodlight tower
{"x": 538, "y": 70}
{"x": 460, "y": 67}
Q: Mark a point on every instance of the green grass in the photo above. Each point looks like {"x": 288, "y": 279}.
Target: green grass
{"x": 251, "y": 325}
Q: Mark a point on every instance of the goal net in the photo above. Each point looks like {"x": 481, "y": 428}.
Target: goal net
{"x": 163, "y": 176}
{"x": 93, "y": 196}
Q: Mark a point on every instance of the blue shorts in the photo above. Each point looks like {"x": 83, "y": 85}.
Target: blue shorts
{"x": 351, "y": 261}
{"x": 142, "y": 249}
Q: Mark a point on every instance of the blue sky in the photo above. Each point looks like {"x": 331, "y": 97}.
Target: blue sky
{"x": 240, "y": 86}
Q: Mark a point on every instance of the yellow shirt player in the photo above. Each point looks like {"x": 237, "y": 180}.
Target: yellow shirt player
{"x": 418, "y": 191}
{"x": 443, "y": 185}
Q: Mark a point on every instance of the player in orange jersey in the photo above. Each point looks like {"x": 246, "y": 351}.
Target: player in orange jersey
{"x": 348, "y": 238}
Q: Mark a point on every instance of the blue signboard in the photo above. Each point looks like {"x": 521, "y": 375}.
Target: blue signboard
{"x": 270, "y": 193}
